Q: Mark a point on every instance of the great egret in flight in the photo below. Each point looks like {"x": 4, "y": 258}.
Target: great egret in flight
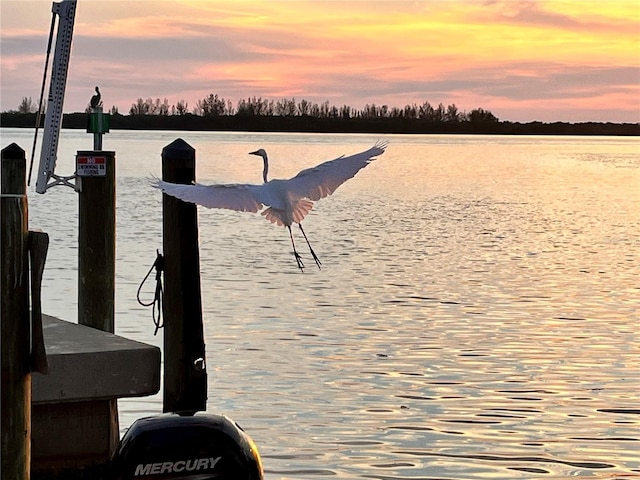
{"x": 288, "y": 201}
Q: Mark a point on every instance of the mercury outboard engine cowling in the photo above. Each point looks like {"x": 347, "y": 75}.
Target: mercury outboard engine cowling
{"x": 186, "y": 447}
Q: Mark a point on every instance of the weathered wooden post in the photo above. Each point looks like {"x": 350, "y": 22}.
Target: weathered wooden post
{"x": 96, "y": 172}
{"x": 96, "y": 182}
{"x": 185, "y": 377}
{"x": 14, "y": 318}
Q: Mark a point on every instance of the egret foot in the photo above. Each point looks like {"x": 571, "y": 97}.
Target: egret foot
{"x": 316, "y": 259}
{"x": 299, "y": 261}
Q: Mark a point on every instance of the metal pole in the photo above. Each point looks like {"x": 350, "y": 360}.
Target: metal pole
{"x": 97, "y": 135}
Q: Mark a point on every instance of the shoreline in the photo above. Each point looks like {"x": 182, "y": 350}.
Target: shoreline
{"x": 308, "y": 124}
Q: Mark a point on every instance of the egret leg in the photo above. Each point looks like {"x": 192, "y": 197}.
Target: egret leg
{"x": 315, "y": 257}
{"x": 295, "y": 253}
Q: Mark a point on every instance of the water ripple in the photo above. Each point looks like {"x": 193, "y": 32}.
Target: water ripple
{"x": 510, "y": 459}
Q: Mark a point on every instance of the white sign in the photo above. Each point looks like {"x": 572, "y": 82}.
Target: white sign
{"x": 91, "y": 166}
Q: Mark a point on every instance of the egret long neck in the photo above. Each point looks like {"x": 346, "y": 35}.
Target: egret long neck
{"x": 266, "y": 169}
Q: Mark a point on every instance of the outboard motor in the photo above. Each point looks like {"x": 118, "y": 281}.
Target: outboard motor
{"x": 186, "y": 447}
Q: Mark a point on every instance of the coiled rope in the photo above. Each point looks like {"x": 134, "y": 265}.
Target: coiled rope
{"x": 156, "y": 303}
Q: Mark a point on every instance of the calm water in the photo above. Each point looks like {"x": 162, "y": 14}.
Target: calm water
{"x": 476, "y": 315}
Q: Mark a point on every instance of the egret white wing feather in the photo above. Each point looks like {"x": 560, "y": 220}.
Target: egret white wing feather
{"x": 322, "y": 180}
{"x": 240, "y": 197}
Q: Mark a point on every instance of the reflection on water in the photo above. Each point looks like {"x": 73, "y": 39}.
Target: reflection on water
{"x": 475, "y": 316}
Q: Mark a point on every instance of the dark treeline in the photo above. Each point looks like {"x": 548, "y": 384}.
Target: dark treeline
{"x": 289, "y": 115}
{"x": 215, "y": 106}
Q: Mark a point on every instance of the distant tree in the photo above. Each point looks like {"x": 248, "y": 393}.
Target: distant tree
{"x": 114, "y": 110}
{"x": 163, "y": 107}
{"x": 181, "y": 108}
{"x": 255, "y": 106}
{"x": 285, "y": 107}
{"x": 370, "y": 111}
{"x": 211, "y": 106}
{"x": 452, "y": 114}
{"x": 439, "y": 113}
{"x": 324, "y": 109}
{"x": 154, "y": 106}
{"x": 411, "y": 111}
{"x": 366, "y": 112}
{"x": 150, "y": 107}
{"x": 425, "y": 111}
{"x": 27, "y": 106}
{"x": 304, "y": 107}
{"x": 480, "y": 115}
{"x": 141, "y": 107}
{"x": 243, "y": 108}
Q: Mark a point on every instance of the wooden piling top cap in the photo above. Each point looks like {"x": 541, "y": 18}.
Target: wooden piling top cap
{"x": 178, "y": 149}
{"x": 13, "y": 151}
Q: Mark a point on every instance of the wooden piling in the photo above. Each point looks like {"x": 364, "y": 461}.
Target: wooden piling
{"x": 185, "y": 377}
{"x": 97, "y": 242}
{"x": 97, "y": 256}
{"x": 14, "y": 318}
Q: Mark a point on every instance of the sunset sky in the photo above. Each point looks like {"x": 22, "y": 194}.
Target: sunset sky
{"x": 572, "y": 60}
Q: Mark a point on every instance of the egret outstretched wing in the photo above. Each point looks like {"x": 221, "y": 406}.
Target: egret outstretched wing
{"x": 322, "y": 180}
{"x": 240, "y": 197}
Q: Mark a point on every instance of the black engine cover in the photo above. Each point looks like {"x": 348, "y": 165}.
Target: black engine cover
{"x": 186, "y": 447}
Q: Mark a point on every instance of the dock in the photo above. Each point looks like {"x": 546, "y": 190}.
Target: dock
{"x": 89, "y": 370}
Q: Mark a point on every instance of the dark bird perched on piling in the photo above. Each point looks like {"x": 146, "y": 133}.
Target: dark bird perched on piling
{"x": 95, "y": 100}
{"x": 288, "y": 201}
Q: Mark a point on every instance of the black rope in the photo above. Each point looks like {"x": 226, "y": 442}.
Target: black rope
{"x": 156, "y": 303}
